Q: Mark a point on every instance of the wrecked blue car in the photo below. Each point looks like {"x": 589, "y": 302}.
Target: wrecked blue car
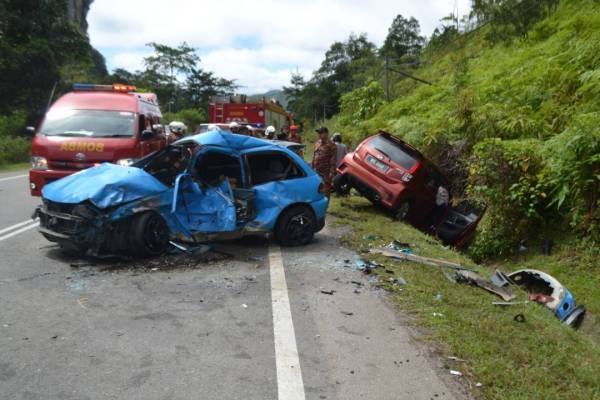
{"x": 211, "y": 186}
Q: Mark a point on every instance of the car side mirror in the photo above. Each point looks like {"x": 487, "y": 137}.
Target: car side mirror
{"x": 30, "y": 130}
{"x": 147, "y": 134}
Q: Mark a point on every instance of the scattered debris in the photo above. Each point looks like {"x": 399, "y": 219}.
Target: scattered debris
{"x": 81, "y": 264}
{"x": 347, "y": 313}
{"x": 508, "y": 303}
{"x": 418, "y": 259}
{"x": 500, "y": 279}
{"x": 438, "y": 297}
{"x": 454, "y": 358}
{"x": 519, "y": 318}
{"x": 329, "y": 292}
{"x": 474, "y": 278}
{"x": 398, "y": 281}
{"x": 455, "y": 373}
{"x": 545, "y": 289}
{"x": 370, "y": 237}
{"x": 479, "y": 384}
{"x": 437, "y": 314}
{"x": 245, "y": 305}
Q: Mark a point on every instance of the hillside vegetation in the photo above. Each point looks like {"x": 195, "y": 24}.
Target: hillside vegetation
{"x": 514, "y": 122}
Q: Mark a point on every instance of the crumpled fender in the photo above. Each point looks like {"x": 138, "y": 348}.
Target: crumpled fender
{"x": 106, "y": 185}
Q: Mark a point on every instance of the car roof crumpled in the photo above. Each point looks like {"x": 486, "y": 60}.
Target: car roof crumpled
{"x": 229, "y": 140}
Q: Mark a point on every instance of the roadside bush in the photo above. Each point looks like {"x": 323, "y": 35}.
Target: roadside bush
{"x": 573, "y": 171}
{"x": 13, "y": 148}
{"x": 361, "y": 103}
{"x": 506, "y": 175}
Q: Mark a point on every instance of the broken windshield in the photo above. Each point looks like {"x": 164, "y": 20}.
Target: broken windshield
{"x": 165, "y": 165}
{"x": 88, "y": 123}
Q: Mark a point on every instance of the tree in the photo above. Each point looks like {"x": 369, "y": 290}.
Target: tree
{"x": 36, "y": 43}
{"x": 170, "y": 61}
{"x": 166, "y": 64}
{"x": 403, "y": 39}
{"x": 294, "y": 92}
{"x": 200, "y": 85}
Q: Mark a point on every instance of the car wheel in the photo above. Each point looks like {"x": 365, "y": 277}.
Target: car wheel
{"x": 341, "y": 185}
{"x": 402, "y": 211}
{"x": 296, "y": 226}
{"x": 149, "y": 235}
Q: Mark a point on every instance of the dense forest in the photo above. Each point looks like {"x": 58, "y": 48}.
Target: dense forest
{"x": 505, "y": 100}
{"x": 43, "y": 52}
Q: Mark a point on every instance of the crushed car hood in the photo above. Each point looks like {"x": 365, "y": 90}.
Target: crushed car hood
{"x": 105, "y": 185}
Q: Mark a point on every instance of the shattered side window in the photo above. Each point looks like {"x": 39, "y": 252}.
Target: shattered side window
{"x": 273, "y": 166}
{"x": 166, "y": 164}
{"x": 213, "y": 167}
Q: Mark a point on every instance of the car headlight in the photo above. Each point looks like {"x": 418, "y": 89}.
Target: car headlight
{"x": 125, "y": 162}
{"x": 39, "y": 163}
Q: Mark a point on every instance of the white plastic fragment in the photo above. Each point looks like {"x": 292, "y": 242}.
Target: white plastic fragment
{"x": 457, "y": 373}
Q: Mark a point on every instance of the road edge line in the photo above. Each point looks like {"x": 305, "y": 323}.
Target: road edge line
{"x": 289, "y": 374}
{"x": 28, "y": 227}
{"x": 10, "y": 178}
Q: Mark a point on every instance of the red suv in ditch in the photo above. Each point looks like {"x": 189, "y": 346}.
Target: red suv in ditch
{"x": 391, "y": 173}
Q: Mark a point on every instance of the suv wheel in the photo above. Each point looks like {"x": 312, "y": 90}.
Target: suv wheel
{"x": 402, "y": 211}
{"x": 296, "y": 226}
{"x": 149, "y": 235}
{"x": 341, "y": 186}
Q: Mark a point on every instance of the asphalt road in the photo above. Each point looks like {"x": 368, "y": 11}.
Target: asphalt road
{"x": 246, "y": 321}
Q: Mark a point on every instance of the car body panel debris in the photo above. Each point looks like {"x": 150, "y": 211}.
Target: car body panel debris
{"x": 391, "y": 173}
{"x": 548, "y": 291}
{"x": 474, "y": 278}
{"x": 401, "y": 255}
{"x": 215, "y": 185}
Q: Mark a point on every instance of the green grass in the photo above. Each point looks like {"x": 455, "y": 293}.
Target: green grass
{"x": 537, "y": 359}
{"x": 13, "y": 167}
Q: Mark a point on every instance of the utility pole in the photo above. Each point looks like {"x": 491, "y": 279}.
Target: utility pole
{"x": 387, "y": 79}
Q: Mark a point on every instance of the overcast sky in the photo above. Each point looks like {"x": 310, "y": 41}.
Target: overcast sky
{"x": 258, "y": 43}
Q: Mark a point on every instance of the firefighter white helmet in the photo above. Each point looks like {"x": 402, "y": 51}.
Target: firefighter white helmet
{"x": 177, "y": 127}
{"x": 234, "y": 125}
{"x": 270, "y": 129}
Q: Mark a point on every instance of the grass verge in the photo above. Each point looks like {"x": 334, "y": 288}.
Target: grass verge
{"x": 535, "y": 359}
{"x": 13, "y": 167}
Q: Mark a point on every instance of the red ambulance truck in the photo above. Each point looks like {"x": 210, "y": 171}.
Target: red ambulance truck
{"x": 91, "y": 125}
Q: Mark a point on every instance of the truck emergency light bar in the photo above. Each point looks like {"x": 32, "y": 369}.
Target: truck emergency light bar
{"x": 115, "y": 87}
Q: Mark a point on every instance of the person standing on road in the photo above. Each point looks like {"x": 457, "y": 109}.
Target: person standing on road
{"x": 270, "y": 132}
{"x": 234, "y": 127}
{"x": 324, "y": 159}
{"x": 341, "y": 148}
{"x": 294, "y": 136}
{"x": 176, "y": 131}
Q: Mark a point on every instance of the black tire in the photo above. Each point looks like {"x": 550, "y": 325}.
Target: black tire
{"x": 341, "y": 185}
{"x": 149, "y": 235}
{"x": 296, "y": 226}
{"x": 402, "y": 212}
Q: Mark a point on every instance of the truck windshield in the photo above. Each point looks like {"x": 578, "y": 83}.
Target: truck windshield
{"x": 89, "y": 123}
{"x": 401, "y": 155}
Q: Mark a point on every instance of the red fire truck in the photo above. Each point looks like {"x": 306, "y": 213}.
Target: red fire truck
{"x": 91, "y": 125}
{"x": 260, "y": 114}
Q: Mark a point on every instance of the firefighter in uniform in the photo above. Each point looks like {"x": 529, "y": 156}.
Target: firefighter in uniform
{"x": 324, "y": 159}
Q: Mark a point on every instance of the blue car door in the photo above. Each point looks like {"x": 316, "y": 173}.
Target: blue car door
{"x": 204, "y": 208}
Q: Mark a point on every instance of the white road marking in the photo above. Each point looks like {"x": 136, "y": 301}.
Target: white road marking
{"x": 13, "y": 177}
{"x": 15, "y": 226}
{"x": 289, "y": 376}
{"x": 28, "y": 227}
